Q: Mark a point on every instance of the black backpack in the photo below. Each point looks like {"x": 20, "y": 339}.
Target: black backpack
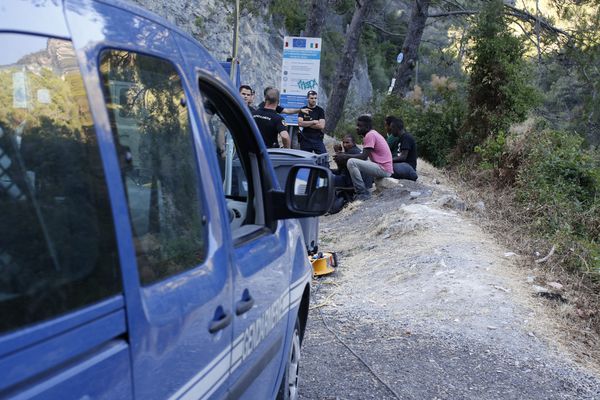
{"x": 339, "y": 201}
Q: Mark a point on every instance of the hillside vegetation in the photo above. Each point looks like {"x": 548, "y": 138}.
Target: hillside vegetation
{"x": 506, "y": 99}
{"x": 503, "y": 95}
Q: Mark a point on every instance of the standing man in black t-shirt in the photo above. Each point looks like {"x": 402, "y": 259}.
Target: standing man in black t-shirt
{"x": 405, "y": 157}
{"x": 312, "y": 122}
{"x": 270, "y": 123}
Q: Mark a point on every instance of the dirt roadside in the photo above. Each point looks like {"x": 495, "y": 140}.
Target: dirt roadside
{"x": 425, "y": 305}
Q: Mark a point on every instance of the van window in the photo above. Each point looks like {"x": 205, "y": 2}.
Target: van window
{"x": 237, "y": 152}
{"x": 158, "y": 162}
{"x": 57, "y": 244}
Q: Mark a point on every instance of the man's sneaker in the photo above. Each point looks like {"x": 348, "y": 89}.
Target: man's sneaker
{"x": 362, "y": 196}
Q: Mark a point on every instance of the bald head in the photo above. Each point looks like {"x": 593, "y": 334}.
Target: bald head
{"x": 271, "y": 96}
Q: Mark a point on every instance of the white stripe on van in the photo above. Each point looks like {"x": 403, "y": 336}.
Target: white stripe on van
{"x": 205, "y": 378}
{"x": 207, "y": 381}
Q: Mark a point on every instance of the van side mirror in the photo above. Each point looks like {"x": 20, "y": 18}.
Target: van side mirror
{"x": 309, "y": 189}
{"x": 309, "y": 192}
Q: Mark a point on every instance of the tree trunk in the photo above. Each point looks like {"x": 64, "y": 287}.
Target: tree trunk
{"x": 410, "y": 47}
{"x": 345, "y": 66}
{"x": 316, "y": 18}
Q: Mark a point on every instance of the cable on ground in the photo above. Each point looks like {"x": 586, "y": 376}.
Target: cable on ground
{"x": 341, "y": 340}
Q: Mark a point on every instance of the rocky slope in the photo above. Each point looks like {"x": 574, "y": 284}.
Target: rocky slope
{"x": 261, "y": 44}
{"x": 426, "y": 305}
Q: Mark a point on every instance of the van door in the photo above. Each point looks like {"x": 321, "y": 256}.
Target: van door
{"x": 182, "y": 331}
{"x": 262, "y": 262}
{"x": 63, "y": 331}
{"x": 179, "y": 283}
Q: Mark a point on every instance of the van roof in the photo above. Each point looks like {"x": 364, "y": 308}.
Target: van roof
{"x": 143, "y": 12}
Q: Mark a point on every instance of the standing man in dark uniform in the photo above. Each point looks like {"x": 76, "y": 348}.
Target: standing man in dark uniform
{"x": 312, "y": 122}
{"x": 270, "y": 123}
{"x": 247, "y": 94}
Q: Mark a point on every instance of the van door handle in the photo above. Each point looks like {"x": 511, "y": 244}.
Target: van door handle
{"x": 221, "y": 323}
{"x": 244, "y": 305}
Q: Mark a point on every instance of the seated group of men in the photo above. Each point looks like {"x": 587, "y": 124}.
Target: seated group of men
{"x": 394, "y": 156}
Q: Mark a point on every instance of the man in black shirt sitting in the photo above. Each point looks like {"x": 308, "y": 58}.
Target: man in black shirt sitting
{"x": 312, "y": 122}
{"x": 270, "y": 123}
{"x": 341, "y": 176}
{"x": 405, "y": 157}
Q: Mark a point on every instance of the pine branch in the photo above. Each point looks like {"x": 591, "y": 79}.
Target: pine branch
{"x": 383, "y": 30}
{"x": 513, "y": 12}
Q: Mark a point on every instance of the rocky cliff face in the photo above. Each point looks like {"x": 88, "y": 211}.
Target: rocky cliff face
{"x": 260, "y": 43}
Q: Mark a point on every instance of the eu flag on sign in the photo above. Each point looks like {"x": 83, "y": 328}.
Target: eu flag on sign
{"x": 299, "y": 43}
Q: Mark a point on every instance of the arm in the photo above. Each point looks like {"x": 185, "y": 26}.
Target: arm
{"x": 220, "y": 140}
{"x": 401, "y": 156}
{"x": 309, "y": 124}
{"x": 295, "y": 110}
{"x": 345, "y": 156}
{"x": 320, "y": 124}
{"x": 285, "y": 139}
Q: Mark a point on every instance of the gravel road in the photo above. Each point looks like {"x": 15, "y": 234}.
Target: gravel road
{"x": 425, "y": 305}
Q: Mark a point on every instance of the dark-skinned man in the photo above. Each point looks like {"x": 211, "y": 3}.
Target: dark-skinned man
{"x": 341, "y": 176}
{"x": 375, "y": 160}
{"x": 312, "y": 121}
{"x": 392, "y": 140}
{"x": 405, "y": 158}
{"x": 270, "y": 123}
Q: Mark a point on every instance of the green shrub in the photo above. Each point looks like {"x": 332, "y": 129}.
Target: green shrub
{"x": 500, "y": 90}
{"x": 492, "y": 151}
{"x": 559, "y": 184}
{"x": 435, "y": 125}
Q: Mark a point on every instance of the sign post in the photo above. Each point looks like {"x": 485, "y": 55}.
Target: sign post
{"x": 299, "y": 73}
{"x": 234, "y": 74}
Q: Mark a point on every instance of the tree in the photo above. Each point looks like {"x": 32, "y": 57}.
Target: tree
{"x": 418, "y": 19}
{"x": 316, "y": 18}
{"x": 499, "y": 93}
{"x": 345, "y": 65}
{"x": 581, "y": 60}
{"x": 410, "y": 47}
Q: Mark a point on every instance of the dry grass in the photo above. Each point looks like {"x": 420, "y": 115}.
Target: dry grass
{"x": 576, "y": 324}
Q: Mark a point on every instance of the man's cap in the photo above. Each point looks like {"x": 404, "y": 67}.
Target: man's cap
{"x": 311, "y": 93}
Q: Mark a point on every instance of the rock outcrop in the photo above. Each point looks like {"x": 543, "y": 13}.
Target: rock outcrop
{"x": 260, "y": 44}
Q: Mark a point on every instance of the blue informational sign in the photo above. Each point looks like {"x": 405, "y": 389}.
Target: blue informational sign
{"x": 299, "y": 72}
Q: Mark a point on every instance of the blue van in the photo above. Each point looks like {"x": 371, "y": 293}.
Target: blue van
{"x": 147, "y": 250}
